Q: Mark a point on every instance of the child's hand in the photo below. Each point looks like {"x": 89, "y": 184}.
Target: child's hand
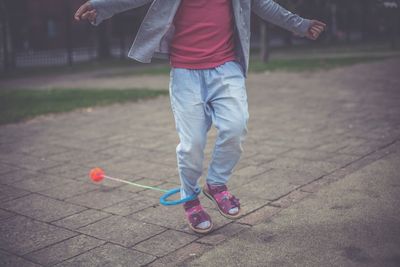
{"x": 86, "y": 11}
{"x": 316, "y": 28}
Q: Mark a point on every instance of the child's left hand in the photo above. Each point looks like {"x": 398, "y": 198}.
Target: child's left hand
{"x": 315, "y": 30}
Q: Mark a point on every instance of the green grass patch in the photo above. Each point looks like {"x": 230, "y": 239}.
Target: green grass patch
{"x": 18, "y": 105}
{"x": 291, "y": 65}
{"x": 309, "y": 64}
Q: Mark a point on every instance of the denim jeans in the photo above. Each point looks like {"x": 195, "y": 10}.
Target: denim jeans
{"x": 200, "y": 98}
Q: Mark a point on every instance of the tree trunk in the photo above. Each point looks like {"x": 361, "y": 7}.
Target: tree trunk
{"x": 264, "y": 42}
{"x": 103, "y": 43}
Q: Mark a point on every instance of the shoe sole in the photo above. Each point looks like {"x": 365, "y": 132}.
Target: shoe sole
{"x": 232, "y": 217}
{"x": 201, "y": 231}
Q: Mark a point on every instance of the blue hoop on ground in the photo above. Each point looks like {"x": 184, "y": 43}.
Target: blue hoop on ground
{"x": 164, "y": 198}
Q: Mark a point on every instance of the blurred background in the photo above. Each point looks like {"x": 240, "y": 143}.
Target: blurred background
{"x": 43, "y": 33}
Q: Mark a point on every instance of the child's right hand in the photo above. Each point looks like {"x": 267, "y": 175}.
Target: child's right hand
{"x": 86, "y": 11}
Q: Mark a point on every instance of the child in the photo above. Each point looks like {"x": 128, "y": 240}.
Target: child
{"x": 207, "y": 43}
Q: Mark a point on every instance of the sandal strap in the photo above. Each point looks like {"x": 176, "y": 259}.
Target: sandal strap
{"x": 224, "y": 198}
{"x": 191, "y": 203}
{"x": 195, "y": 213}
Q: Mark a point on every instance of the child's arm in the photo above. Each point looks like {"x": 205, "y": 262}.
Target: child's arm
{"x": 98, "y": 10}
{"x": 274, "y": 13}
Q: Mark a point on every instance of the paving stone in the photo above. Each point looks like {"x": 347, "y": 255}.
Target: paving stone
{"x": 127, "y": 152}
{"x": 137, "y": 203}
{"x": 9, "y": 260}
{"x": 343, "y": 159}
{"x": 21, "y": 235}
{"x": 165, "y": 243}
{"x": 5, "y": 168}
{"x": 167, "y": 158}
{"x": 173, "y": 217}
{"x": 32, "y": 163}
{"x": 11, "y": 155}
{"x": 40, "y": 183}
{"x": 41, "y": 208}
{"x": 250, "y": 203}
{"x": 142, "y": 181}
{"x": 240, "y": 177}
{"x": 316, "y": 168}
{"x": 181, "y": 256}
{"x": 5, "y": 214}
{"x": 69, "y": 189}
{"x": 42, "y": 150}
{"x": 308, "y": 154}
{"x": 250, "y": 171}
{"x": 9, "y": 192}
{"x": 259, "y": 216}
{"x": 222, "y": 234}
{"x": 362, "y": 149}
{"x": 17, "y": 175}
{"x": 340, "y": 143}
{"x": 265, "y": 188}
{"x": 69, "y": 170}
{"x": 267, "y": 149}
{"x": 255, "y": 160}
{"x": 81, "y": 219}
{"x": 64, "y": 250}
{"x": 132, "y": 166}
{"x": 79, "y": 156}
{"x": 294, "y": 177}
{"x": 120, "y": 230}
{"x": 314, "y": 186}
{"x": 290, "y": 199}
{"x": 158, "y": 171}
{"x": 100, "y": 198}
{"x": 109, "y": 255}
{"x": 155, "y": 194}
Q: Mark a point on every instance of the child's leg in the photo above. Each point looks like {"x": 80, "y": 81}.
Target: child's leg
{"x": 228, "y": 98}
{"x": 192, "y": 123}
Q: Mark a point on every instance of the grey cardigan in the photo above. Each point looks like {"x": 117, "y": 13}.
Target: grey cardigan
{"x": 157, "y": 29}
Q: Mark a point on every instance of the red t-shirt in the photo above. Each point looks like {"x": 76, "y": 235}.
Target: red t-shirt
{"x": 203, "y": 34}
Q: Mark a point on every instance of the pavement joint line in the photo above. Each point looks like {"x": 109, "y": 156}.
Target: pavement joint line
{"x": 299, "y": 187}
{"x": 309, "y": 193}
{"x": 99, "y": 209}
{"x": 29, "y": 193}
{"x": 63, "y": 200}
{"x": 106, "y": 242}
{"x": 20, "y": 256}
{"x": 62, "y": 227}
{"x": 167, "y": 229}
{"x": 109, "y": 215}
{"x": 349, "y": 164}
{"x": 52, "y": 223}
{"x": 52, "y": 244}
{"x": 191, "y": 242}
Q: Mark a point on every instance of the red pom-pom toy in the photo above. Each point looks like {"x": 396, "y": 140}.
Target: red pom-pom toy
{"x": 96, "y": 174}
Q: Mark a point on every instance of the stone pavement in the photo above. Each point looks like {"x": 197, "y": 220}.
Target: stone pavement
{"x": 316, "y": 142}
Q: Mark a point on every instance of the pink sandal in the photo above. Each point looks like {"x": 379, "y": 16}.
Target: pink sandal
{"x": 195, "y": 214}
{"x": 224, "y": 200}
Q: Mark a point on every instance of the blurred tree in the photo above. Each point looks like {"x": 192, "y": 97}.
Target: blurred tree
{"x": 103, "y": 43}
{"x": 264, "y": 41}
{"x": 391, "y": 10}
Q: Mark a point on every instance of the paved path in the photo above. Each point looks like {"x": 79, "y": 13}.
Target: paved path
{"x": 122, "y": 78}
{"x": 322, "y": 150}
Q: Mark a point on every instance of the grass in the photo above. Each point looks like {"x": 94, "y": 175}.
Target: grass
{"x": 291, "y": 65}
{"x": 310, "y": 64}
{"x": 19, "y": 105}
{"x": 126, "y": 67}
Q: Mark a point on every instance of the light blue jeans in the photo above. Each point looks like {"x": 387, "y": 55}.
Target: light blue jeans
{"x": 200, "y": 98}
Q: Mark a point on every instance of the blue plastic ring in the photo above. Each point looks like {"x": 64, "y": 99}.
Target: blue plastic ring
{"x": 164, "y": 198}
